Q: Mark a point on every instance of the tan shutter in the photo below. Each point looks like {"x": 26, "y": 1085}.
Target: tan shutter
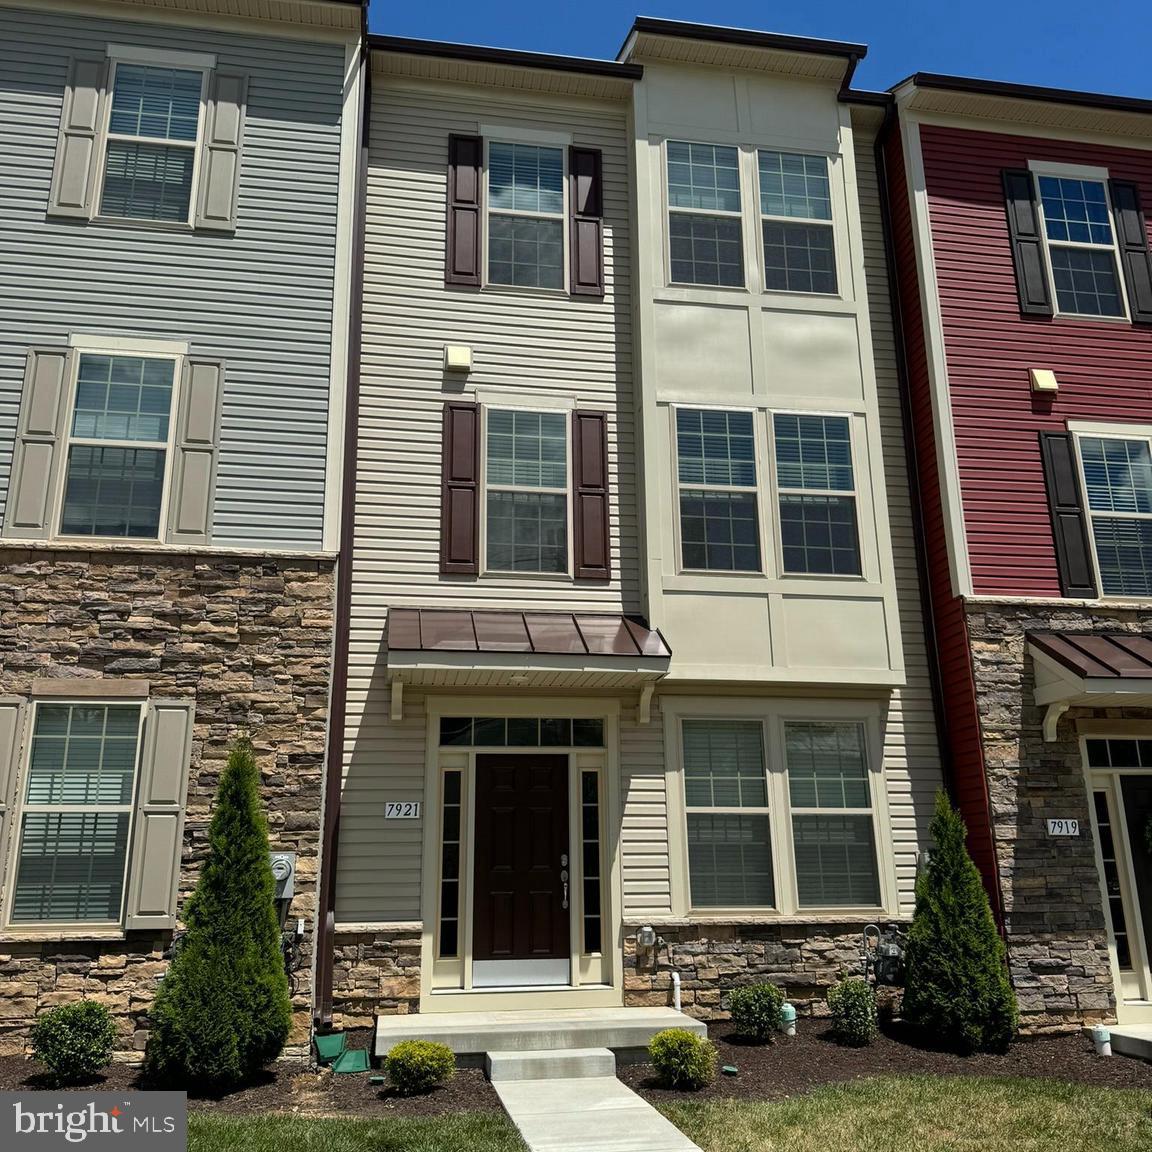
{"x": 160, "y": 803}
{"x": 36, "y": 466}
{"x": 11, "y": 729}
{"x": 78, "y": 145}
{"x": 220, "y": 151}
{"x": 194, "y": 462}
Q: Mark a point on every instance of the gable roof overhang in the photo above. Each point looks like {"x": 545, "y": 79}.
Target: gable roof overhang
{"x": 1092, "y": 670}
{"x": 329, "y": 15}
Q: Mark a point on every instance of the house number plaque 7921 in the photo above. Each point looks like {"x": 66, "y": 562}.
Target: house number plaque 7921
{"x": 1063, "y": 827}
{"x": 402, "y": 810}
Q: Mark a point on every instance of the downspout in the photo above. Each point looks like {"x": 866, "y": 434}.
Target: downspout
{"x": 338, "y": 700}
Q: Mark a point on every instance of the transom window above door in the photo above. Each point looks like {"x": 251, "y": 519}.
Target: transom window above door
{"x": 525, "y": 215}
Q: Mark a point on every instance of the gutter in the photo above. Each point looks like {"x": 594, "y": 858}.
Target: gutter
{"x": 338, "y": 696}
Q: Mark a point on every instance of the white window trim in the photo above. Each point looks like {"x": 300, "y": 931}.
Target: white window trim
{"x": 755, "y": 489}
{"x": 774, "y": 715}
{"x": 1096, "y": 431}
{"x": 135, "y": 349}
{"x": 830, "y": 159}
{"x": 160, "y": 59}
{"x": 668, "y": 209}
{"x": 1040, "y": 168}
{"x": 514, "y": 134}
{"x": 500, "y": 137}
{"x": 500, "y": 573}
{"x": 127, "y": 345}
{"x": 71, "y": 928}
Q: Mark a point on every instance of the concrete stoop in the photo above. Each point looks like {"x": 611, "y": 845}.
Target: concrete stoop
{"x": 1132, "y": 1040}
{"x": 568, "y": 1064}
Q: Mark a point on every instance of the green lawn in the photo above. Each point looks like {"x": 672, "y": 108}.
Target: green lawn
{"x": 928, "y": 1114}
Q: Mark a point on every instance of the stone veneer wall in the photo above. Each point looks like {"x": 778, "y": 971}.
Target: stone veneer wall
{"x": 375, "y": 973}
{"x": 1053, "y": 906}
{"x": 250, "y": 638}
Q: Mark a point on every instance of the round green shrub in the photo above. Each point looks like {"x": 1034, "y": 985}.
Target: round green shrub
{"x": 755, "y": 1011}
{"x": 417, "y": 1066}
{"x": 74, "y": 1040}
{"x": 682, "y": 1059}
{"x": 853, "y": 1008}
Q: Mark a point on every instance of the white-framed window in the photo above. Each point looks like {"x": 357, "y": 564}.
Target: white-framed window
{"x": 716, "y": 474}
{"x": 1116, "y": 471}
{"x": 526, "y": 214}
{"x": 119, "y": 444}
{"x": 1080, "y": 237}
{"x": 816, "y": 490}
{"x": 154, "y": 126}
{"x": 796, "y": 222}
{"x": 75, "y": 813}
{"x": 705, "y": 222}
{"x": 526, "y": 491}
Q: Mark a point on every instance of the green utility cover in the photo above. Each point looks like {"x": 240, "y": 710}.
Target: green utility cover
{"x": 730, "y": 1069}
{"x": 330, "y": 1046}
{"x": 376, "y": 1080}
{"x": 354, "y": 1060}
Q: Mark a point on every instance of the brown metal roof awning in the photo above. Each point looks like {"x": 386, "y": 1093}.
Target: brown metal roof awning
{"x": 439, "y": 647}
{"x": 1094, "y": 670}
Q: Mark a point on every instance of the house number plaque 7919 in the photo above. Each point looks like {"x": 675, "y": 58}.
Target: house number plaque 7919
{"x": 1063, "y": 827}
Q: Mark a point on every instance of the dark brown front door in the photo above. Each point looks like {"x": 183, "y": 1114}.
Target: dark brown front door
{"x": 521, "y": 851}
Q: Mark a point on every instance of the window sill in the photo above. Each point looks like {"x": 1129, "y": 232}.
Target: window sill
{"x": 718, "y": 916}
{"x": 182, "y": 227}
{"x": 519, "y": 290}
{"x": 1085, "y": 318}
{"x": 61, "y": 934}
{"x": 520, "y": 577}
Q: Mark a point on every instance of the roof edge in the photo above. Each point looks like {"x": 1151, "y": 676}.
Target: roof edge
{"x": 745, "y": 37}
{"x": 1002, "y": 88}
{"x": 477, "y": 53}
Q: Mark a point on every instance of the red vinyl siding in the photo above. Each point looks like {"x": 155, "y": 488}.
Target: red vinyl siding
{"x": 1104, "y": 367}
{"x": 962, "y": 721}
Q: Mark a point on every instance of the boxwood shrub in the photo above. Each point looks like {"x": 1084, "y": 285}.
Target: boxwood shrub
{"x": 418, "y": 1066}
{"x": 682, "y": 1059}
{"x": 74, "y": 1040}
{"x": 853, "y": 1008}
{"x": 755, "y": 1011}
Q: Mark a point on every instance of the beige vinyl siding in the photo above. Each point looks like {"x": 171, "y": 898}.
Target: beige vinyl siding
{"x": 644, "y": 817}
{"x": 525, "y": 344}
{"x": 912, "y": 751}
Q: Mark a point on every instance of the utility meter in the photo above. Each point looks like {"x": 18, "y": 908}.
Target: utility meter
{"x": 284, "y": 873}
{"x": 646, "y": 937}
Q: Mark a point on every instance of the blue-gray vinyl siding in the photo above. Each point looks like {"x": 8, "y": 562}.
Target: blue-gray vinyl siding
{"x": 260, "y": 299}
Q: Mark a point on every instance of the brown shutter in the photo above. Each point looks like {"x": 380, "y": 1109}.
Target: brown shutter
{"x": 465, "y": 161}
{"x": 460, "y": 491}
{"x": 590, "y": 492}
{"x": 1027, "y": 244}
{"x": 586, "y": 221}
{"x": 1134, "y": 256}
{"x": 1069, "y": 523}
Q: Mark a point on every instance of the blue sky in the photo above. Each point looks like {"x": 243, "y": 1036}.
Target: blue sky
{"x": 1101, "y": 46}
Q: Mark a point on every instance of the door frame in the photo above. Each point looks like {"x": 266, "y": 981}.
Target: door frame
{"x": 1108, "y": 781}
{"x": 596, "y": 979}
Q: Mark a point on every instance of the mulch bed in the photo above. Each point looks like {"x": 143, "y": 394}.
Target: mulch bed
{"x": 812, "y": 1058}
{"x": 288, "y": 1088}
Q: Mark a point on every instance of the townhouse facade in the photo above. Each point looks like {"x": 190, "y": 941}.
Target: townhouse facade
{"x": 635, "y": 631}
{"x": 1020, "y": 228}
{"x": 177, "y": 207}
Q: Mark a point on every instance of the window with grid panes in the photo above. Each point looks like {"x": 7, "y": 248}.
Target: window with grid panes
{"x": 1081, "y": 246}
{"x": 150, "y": 152}
{"x": 796, "y": 221}
{"x": 118, "y": 447}
{"x": 1118, "y": 484}
{"x": 76, "y": 813}
{"x": 831, "y": 805}
{"x": 716, "y": 470}
{"x": 527, "y": 491}
{"x": 525, "y": 215}
{"x": 704, "y": 221}
{"x": 816, "y": 490}
{"x": 726, "y": 797}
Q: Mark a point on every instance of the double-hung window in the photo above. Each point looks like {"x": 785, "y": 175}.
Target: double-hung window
{"x": 76, "y": 814}
{"x": 526, "y": 478}
{"x": 525, "y": 215}
{"x": 1118, "y": 483}
{"x": 796, "y": 222}
{"x": 704, "y": 219}
{"x": 716, "y": 470}
{"x": 118, "y": 446}
{"x": 816, "y": 490}
{"x": 1081, "y": 245}
{"x": 150, "y": 151}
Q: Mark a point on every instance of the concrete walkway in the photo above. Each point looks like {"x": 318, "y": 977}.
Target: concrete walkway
{"x": 587, "y": 1114}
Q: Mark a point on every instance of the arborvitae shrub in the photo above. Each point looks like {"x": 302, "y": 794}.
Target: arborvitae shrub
{"x": 682, "y": 1059}
{"x": 957, "y": 991}
{"x": 223, "y": 1010}
{"x": 74, "y": 1040}
{"x": 416, "y": 1066}
{"x": 852, "y": 1005}
{"x": 755, "y": 1011}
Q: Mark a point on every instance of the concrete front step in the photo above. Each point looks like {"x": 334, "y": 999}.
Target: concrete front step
{"x": 569, "y": 1064}
{"x": 1132, "y": 1040}
{"x": 471, "y": 1035}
